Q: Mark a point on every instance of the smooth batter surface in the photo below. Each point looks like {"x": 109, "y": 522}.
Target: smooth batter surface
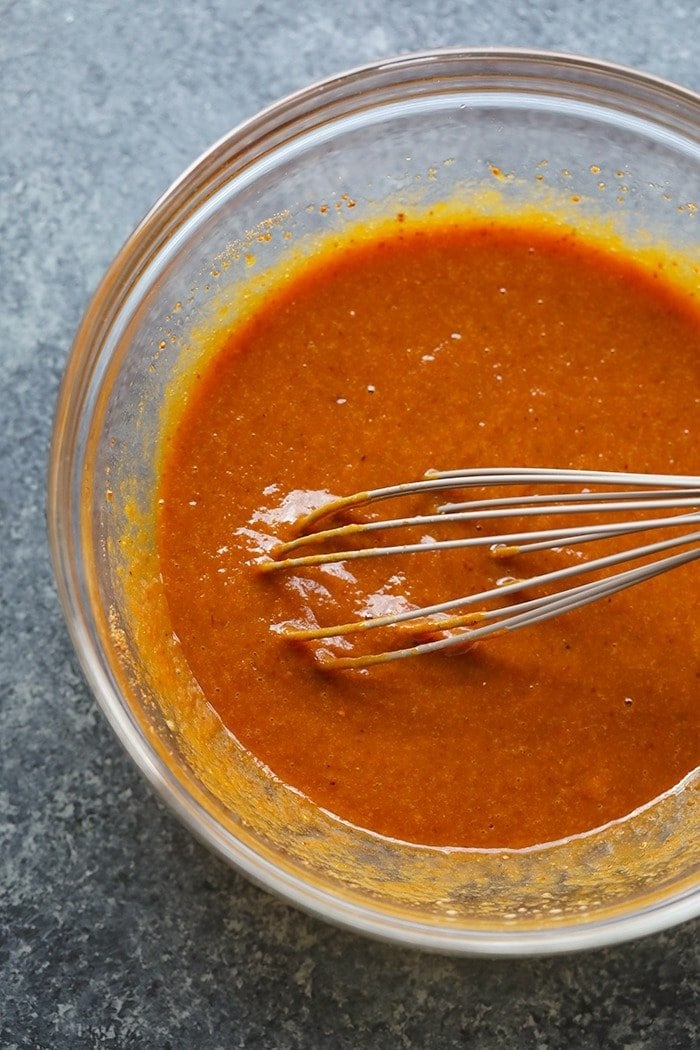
{"x": 463, "y": 345}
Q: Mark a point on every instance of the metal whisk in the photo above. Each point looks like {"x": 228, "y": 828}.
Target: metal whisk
{"x": 644, "y": 494}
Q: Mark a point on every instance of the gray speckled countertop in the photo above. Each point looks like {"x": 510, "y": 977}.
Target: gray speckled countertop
{"x": 116, "y": 927}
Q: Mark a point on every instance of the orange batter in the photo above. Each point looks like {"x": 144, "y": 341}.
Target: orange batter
{"x": 443, "y": 346}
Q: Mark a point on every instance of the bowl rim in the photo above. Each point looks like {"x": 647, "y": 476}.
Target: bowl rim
{"x": 144, "y": 243}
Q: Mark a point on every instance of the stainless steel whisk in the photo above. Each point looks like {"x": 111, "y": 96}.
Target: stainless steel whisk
{"x": 648, "y": 494}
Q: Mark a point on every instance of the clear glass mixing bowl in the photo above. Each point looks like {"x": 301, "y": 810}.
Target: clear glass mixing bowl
{"x": 412, "y": 130}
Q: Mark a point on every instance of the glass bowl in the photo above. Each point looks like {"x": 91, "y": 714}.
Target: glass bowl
{"x": 419, "y": 129}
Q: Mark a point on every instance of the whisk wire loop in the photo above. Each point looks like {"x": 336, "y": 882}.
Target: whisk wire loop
{"x": 647, "y": 492}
